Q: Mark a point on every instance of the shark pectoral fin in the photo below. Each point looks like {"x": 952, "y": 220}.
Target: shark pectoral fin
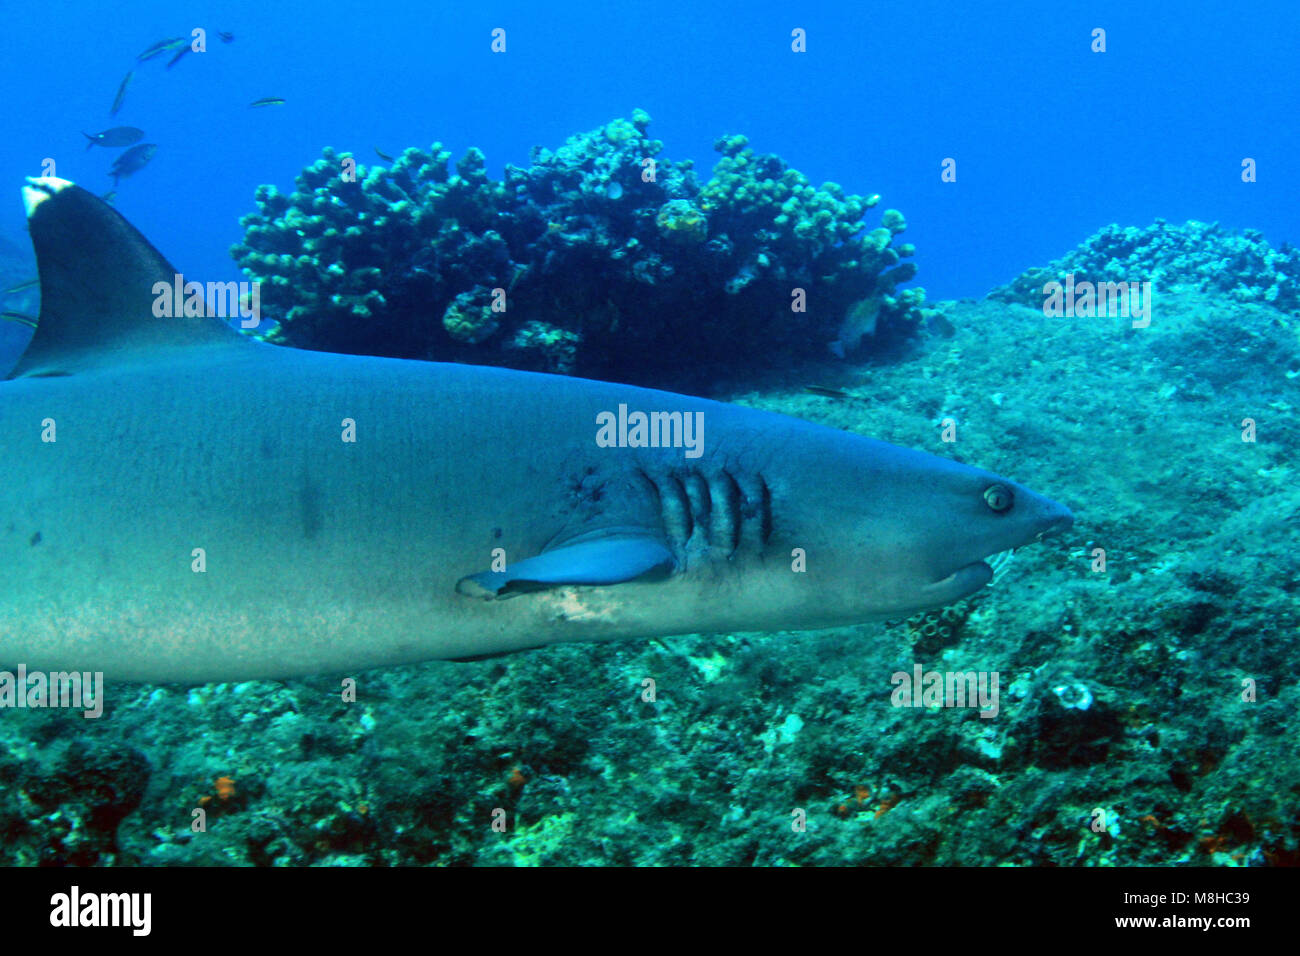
{"x": 600, "y": 561}
{"x": 959, "y": 584}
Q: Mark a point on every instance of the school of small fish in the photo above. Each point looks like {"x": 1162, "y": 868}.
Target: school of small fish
{"x": 138, "y": 156}
{"x": 135, "y": 155}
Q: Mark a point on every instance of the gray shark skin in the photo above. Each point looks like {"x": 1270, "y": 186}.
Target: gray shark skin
{"x": 324, "y": 555}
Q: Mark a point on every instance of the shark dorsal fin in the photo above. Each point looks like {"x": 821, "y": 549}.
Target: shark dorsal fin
{"x": 98, "y": 287}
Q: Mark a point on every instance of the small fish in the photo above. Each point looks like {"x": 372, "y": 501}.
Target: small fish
{"x": 825, "y": 392}
{"x": 942, "y": 326}
{"x": 860, "y": 321}
{"x": 116, "y": 137}
{"x": 121, "y": 93}
{"x": 226, "y": 36}
{"x": 22, "y": 318}
{"x": 177, "y": 58}
{"x": 109, "y": 196}
{"x": 162, "y": 46}
{"x": 267, "y": 101}
{"x": 132, "y": 161}
{"x": 378, "y": 152}
{"x": 25, "y": 284}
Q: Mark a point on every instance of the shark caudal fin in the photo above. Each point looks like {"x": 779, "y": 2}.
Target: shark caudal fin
{"x": 99, "y": 284}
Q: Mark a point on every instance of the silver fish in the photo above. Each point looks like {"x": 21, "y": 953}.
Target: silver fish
{"x": 116, "y": 137}
{"x": 132, "y": 161}
{"x": 121, "y": 93}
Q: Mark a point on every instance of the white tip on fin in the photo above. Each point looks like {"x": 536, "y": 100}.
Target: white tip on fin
{"x": 39, "y": 189}
{"x": 98, "y": 276}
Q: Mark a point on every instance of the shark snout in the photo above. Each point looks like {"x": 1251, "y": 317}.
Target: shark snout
{"x": 964, "y": 564}
{"x": 1056, "y": 519}
{"x": 983, "y": 545}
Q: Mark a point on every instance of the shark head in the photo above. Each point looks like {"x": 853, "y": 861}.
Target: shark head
{"x": 890, "y": 531}
{"x": 931, "y": 530}
{"x": 848, "y": 529}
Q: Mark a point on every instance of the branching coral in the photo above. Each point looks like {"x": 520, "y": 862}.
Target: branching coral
{"x": 601, "y": 258}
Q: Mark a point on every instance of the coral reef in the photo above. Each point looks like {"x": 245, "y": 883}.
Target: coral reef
{"x": 600, "y": 258}
{"x": 1122, "y": 688}
{"x": 1195, "y": 256}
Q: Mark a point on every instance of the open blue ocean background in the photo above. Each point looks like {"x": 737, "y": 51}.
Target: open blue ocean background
{"x": 1052, "y": 141}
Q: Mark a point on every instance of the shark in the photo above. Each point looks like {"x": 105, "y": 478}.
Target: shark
{"x": 182, "y": 503}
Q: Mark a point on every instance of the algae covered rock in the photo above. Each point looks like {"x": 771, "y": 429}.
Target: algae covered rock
{"x": 1194, "y": 256}
{"x": 601, "y": 257}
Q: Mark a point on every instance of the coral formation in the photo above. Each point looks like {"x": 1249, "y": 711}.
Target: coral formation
{"x": 679, "y": 219}
{"x": 601, "y": 258}
{"x": 1195, "y": 256}
{"x": 933, "y": 631}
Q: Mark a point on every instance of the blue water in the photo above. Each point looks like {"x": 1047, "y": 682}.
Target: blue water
{"x": 1052, "y": 141}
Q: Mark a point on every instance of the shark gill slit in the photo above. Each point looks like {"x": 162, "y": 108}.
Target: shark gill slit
{"x": 712, "y": 512}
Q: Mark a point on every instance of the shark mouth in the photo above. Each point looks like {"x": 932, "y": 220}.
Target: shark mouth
{"x": 998, "y": 563}
{"x": 972, "y": 577}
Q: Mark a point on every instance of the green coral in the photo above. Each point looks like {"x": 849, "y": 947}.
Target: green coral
{"x": 762, "y": 189}
{"x": 760, "y": 196}
{"x": 319, "y": 258}
{"x": 681, "y": 220}
{"x": 613, "y": 260}
{"x": 468, "y": 318}
{"x": 893, "y": 220}
{"x": 559, "y": 346}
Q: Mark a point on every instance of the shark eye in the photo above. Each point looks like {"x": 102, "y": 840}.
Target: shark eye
{"x": 999, "y": 497}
